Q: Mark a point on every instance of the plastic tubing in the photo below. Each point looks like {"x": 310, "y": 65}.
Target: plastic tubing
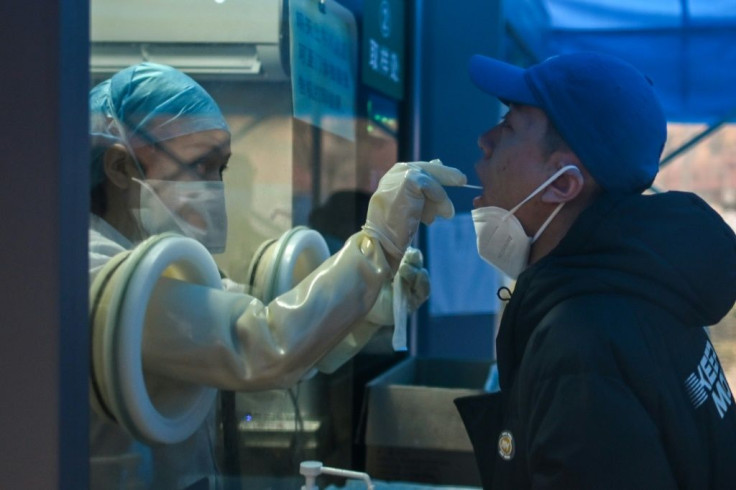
{"x": 311, "y": 469}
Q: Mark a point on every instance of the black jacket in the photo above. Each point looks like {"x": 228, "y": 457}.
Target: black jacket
{"x": 608, "y": 380}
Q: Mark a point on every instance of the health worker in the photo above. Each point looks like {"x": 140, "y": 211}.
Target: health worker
{"x": 159, "y": 147}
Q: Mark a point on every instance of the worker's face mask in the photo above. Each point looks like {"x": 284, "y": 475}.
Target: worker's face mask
{"x": 502, "y": 241}
{"x": 195, "y": 209}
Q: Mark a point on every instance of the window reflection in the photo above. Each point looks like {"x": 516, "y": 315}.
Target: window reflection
{"x": 260, "y": 163}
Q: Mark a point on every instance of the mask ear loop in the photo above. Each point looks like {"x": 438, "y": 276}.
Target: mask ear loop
{"x": 537, "y": 191}
{"x": 135, "y": 213}
{"x": 559, "y": 206}
{"x": 547, "y": 222}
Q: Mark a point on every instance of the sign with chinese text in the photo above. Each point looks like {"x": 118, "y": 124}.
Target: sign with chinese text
{"x": 383, "y": 46}
{"x": 323, "y": 65}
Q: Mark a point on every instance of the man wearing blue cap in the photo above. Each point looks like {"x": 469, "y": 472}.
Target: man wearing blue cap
{"x": 608, "y": 379}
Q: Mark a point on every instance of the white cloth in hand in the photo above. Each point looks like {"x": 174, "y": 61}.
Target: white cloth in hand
{"x": 410, "y": 290}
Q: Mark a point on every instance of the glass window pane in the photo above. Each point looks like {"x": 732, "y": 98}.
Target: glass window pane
{"x": 230, "y": 122}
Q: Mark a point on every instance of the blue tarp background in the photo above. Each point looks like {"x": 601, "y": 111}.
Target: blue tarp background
{"x": 687, "y": 47}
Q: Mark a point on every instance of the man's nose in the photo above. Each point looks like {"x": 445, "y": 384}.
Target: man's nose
{"x": 486, "y": 142}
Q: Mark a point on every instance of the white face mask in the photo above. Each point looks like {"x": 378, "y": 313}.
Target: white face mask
{"x": 163, "y": 203}
{"x": 502, "y": 241}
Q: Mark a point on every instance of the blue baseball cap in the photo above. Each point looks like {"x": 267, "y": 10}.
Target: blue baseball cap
{"x": 604, "y": 108}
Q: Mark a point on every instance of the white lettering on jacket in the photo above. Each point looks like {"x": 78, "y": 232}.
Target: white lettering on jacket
{"x": 708, "y": 381}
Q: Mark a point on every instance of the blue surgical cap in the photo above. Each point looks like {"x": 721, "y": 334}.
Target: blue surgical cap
{"x": 150, "y": 103}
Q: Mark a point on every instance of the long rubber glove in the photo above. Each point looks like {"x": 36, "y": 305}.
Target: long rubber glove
{"x": 409, "y": 193}
{"x": 413, "y": 279}
{"x": 255, "y": 346}
{"x": 252, "y": 346}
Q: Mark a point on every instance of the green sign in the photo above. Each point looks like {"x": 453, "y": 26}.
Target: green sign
{"x": 383, "y": 46}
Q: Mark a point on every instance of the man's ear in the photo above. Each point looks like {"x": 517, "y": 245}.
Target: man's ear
{"x": 567, "y": 186}
{"x": 119, "y": 166}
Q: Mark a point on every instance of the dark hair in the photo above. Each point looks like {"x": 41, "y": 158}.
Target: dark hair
{"x": 553, "y": 140}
